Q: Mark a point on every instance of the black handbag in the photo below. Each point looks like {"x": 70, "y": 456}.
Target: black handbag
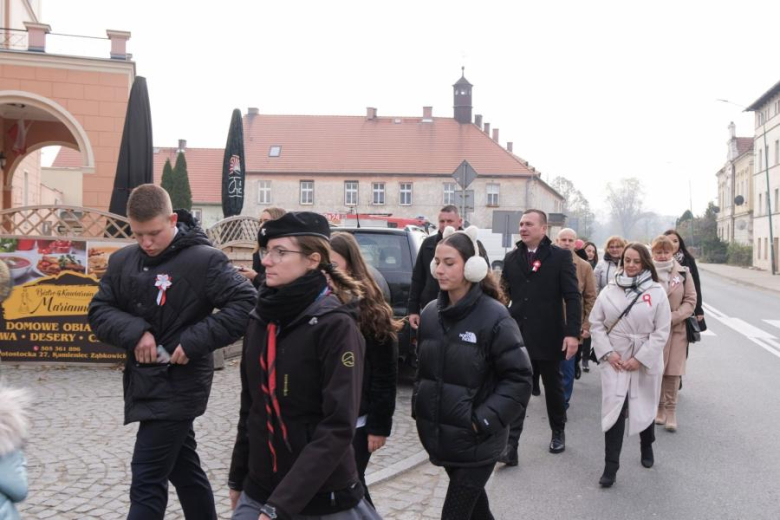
{"x": 692, "y": 329}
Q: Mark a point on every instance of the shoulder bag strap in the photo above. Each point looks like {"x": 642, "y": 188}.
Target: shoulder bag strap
{"x": 624, "y": 312}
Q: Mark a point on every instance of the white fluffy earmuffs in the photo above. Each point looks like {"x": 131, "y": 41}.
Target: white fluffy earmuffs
{"x": 476, "y": 268}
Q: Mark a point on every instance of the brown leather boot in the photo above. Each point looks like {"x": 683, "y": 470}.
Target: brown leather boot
{"x": 673, "y": 386}
{"x": 660, "y": 417}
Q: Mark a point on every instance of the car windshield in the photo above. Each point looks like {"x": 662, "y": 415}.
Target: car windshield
{"x": 386, "y": 252}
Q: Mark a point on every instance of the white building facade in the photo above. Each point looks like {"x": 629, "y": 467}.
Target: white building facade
{"x": 766, "y": 178}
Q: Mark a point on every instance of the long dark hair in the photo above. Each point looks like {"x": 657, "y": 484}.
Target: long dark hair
{"x": 684, "y": 250}
{"x": 644, "y": 257}
{"x": 595, "y": 255}
{"x": 465, "y": 248}
{"x": 344, "y": 286}
{"x": 376, "y": 316}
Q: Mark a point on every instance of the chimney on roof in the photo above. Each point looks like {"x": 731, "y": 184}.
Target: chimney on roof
{"x": 370, "y": 113}
{"x": 495, "y": 134}
{"x": 478, "y": 121}
{"x": 253, "y": 111}
{"x": 510, "y": 146}
{"x": 487, "y": 128}
{"x": 182, "y": 145}
{"x": 427, "y": 115}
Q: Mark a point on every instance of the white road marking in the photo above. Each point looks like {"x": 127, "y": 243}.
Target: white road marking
{"x": 713, "y": 311}
{"x": 708, "y": 332}
{"x": 774, "y": 323}
{"x": 758, "y": 336}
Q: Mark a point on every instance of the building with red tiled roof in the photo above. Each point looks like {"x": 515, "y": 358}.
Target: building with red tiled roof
{"x": 389, "y": 165}
{"x": 735, "y": 190}
{"x": 400, "y": 166}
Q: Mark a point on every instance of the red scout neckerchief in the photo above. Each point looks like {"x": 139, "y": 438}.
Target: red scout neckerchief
{"x": 163, "y": 283}
{"x": 536, "y": 265}
{"x": 272, "y": 408}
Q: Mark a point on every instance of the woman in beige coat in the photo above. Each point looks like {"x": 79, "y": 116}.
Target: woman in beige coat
{"x": 630, "y": 347}
{"x": 681, "y": 291}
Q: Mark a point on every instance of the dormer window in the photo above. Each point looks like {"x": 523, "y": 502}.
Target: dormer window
{"x": 275, "y": 151}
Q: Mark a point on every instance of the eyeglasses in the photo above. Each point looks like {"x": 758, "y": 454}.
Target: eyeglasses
{"x": 276, "y": 255}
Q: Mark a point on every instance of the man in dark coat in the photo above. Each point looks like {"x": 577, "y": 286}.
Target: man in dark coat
{"x": 425, "y": 288}
{"x": 155, "y": 302}
{"x": 539, "y": 277}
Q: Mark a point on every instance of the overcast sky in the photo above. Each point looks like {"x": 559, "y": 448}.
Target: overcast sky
{"x": 592, "y": 91}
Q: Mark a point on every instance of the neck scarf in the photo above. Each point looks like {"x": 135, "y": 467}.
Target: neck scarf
{"x": 635, "y": 284}
{"x": 283, "y": 304}
{"x": 664, "y": 270}
{"x": 610, "y": 258}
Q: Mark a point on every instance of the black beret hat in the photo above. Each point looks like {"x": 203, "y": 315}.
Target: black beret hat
{"x": 294, "y": 224}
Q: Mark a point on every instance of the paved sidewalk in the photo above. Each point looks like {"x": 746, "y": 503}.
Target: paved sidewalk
{"x": 744, "y": 275}
{"x": 79, "y": 452}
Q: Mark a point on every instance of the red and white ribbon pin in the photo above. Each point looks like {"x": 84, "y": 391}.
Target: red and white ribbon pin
{"x": 537, "y": 264}
{"x": 163, "y": 283}
{"x": 646, "y": 298}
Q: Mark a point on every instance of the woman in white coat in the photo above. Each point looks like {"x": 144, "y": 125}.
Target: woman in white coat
{"x": 630, "y": 346}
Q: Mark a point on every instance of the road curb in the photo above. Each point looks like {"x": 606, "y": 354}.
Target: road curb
{"x": 396, "y": 469}
{"x": 741, "y": 281}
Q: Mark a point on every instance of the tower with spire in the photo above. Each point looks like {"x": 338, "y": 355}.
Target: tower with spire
{"x": 462, "y": 99}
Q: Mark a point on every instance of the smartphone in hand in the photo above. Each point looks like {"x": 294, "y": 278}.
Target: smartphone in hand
{"x": 162, "y": 355}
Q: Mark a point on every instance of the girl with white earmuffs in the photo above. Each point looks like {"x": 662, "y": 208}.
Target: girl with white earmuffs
{"x": 473, "y": 376}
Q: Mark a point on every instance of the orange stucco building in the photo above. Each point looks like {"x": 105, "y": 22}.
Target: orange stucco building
{"x": 63, "y": 100}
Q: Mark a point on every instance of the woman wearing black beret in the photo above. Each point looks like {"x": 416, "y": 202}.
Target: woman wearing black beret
{"x": 301, "y": 376}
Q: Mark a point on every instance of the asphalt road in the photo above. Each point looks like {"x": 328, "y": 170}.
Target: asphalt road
{"x": 722, "y": 463}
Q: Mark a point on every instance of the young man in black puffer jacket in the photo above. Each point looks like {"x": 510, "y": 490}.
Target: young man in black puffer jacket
{"x": 161, "y": 293}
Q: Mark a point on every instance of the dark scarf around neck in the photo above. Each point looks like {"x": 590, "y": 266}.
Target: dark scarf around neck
{"x": 283, "y": 304}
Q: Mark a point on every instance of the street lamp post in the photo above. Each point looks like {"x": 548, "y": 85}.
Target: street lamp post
{"x": 768, "y": 192}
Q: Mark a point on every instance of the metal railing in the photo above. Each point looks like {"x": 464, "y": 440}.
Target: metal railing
{"x": 13, "y": 39}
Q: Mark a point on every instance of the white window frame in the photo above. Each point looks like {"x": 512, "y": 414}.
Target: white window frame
{"x": 306, "y": 187}
{"x": 378, "y": 192}
{"x": 496, "y": 194}
{"x": 351, "y": 193}
{"x": 264, "y": 192}
{"x": 449, "y": 193}
{"x": 404, "y": 190}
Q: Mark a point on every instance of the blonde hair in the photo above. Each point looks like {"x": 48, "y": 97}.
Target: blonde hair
{"x": 275, "y": 212}
{"x": 662, "y": 243}
{"x": 616, "y": 238}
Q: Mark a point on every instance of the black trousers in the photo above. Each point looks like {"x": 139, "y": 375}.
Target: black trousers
{"x": 165, "y": 451}
{"x": 466, "y": 496}
{"x": 362, "y": 456}
{"x": 550, "y": 372}
{"x": 613, "y": 438}
{"x": 584, "y": 352}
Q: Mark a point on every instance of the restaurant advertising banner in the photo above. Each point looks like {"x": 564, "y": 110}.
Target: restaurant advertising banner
{"x": 45, "y": 316}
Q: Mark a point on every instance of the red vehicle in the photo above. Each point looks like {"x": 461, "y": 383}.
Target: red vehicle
{"x": 389, "y": 221}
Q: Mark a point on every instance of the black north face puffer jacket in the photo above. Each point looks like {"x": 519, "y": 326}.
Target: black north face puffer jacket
{"x": 474, "y": 372}
{"x": 126, "y": 306}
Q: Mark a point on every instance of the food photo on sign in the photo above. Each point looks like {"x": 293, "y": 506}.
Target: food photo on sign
{"x": 30, "y": 259}
{"x": 97, "y": 257}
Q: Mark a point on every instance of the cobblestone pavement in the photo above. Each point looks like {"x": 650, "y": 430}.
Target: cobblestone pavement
{"x": 415, "y": 495}
{"x": 79, "y": 452}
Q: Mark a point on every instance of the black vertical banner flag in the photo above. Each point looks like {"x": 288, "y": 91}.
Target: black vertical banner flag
{"x": 233, "y": 168}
